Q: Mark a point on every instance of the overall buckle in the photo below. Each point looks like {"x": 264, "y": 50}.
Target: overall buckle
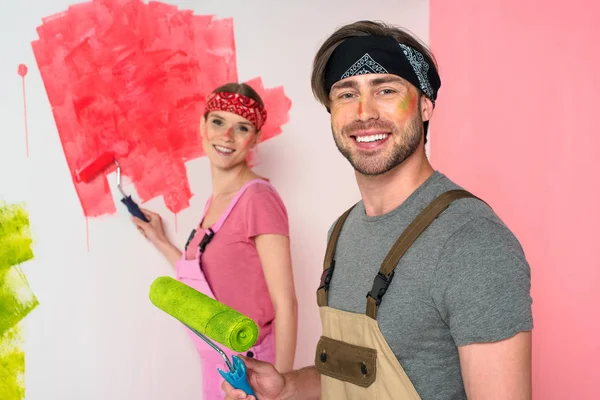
{"x": 380, "y": 286}
{"x": 326, "y": 276}
{"x": 206, "y": 239}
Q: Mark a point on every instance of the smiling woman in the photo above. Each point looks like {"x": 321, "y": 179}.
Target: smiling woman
{"x": 231, "y": 125}
{"x": 239, "y": 253}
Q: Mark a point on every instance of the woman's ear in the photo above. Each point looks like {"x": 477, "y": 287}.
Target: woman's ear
{"x": 257, "y": 139}
{"x": 203, "y": 126}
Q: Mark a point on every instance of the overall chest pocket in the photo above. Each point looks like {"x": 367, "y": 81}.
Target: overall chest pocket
{"x": 346, "y": 362}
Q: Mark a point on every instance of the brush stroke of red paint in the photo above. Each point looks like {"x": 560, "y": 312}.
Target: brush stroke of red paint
{"x": 22, "y": 71}
{"x": 132, "y": 78}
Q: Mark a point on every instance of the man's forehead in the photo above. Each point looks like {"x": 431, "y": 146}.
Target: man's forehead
{"x": 368, "y": 79}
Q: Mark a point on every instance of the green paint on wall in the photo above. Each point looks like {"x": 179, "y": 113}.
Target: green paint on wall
{"x": 15, "y": 238}
{"x": 16, "y": 298}
{"x": 12, "y": 365}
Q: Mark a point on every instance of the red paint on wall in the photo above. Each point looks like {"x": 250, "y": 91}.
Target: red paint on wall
{"x": 132, "y": 78}
{"x": 277, "y": 106}
{"x": 22, "y": 71}
{"x": 516, "y": 124}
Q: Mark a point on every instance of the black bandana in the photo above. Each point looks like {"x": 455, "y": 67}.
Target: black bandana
{"x": 381, "y": 55}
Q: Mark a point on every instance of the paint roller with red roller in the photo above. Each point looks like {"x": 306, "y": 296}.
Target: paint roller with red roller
{"x": 99, "y": 164}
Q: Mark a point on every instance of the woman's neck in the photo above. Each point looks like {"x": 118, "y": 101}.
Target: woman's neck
{"x": 226, "y": 182}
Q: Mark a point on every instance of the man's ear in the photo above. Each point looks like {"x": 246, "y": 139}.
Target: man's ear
{"x": 426, "y": 108}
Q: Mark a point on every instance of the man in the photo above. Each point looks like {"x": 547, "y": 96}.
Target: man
{"x": 444, "y": 314}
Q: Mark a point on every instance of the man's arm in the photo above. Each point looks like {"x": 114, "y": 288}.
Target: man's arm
{"x": 499, "y": 370}
{"x": 302, "y": 384}
{"x": 268, "y": 383}
{"x": 483, "y": 293}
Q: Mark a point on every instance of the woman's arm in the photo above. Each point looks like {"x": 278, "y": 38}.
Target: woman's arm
{"x": 155, "y": 233}
{"x": 171, "y": 253}
{"x": 274, "y": 253}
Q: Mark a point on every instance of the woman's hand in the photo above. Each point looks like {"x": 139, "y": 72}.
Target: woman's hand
{"x": 152, "y": 230}
{"x": 155, "y": 233}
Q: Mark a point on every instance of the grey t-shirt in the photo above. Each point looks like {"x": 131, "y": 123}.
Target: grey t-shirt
{"x": 464, "y": 280}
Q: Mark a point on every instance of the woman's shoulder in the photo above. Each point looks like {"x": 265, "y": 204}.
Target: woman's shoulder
{"x": 261, "y": 186}
{"x": 261, "y": 191}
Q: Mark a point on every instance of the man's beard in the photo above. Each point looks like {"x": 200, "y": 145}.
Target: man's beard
{"x": 379, "y": 163}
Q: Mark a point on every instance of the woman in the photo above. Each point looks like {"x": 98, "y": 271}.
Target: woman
{"x": 240, "y": 251}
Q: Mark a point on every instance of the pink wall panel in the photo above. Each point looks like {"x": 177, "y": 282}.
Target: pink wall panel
{"x": 516, "y": 123}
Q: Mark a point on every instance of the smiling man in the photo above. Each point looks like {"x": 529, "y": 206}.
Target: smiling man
{"x": 425, "y": 292}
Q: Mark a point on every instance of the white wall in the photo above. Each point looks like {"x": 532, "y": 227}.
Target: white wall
{"x": 95, "y": 335}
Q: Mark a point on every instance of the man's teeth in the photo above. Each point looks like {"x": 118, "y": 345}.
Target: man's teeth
{"x": 223, "y": 149}
{"x": 371, "y": 138}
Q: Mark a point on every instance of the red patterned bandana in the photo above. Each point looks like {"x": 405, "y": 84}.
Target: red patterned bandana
{"x": 236, "y": 103}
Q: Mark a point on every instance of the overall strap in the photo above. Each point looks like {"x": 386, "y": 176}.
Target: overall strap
{"x": 210, "y": 231}
{"x": 215, "y": 228}
{"x": 329, "y": 261}
{"x": 403, "y": 243}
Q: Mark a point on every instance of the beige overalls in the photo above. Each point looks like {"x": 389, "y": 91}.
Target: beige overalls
{"x": 353, "y": 357}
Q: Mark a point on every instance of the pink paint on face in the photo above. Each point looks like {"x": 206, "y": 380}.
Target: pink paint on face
{"x": 228, "y": 138}
{"x": 133, "y": 80}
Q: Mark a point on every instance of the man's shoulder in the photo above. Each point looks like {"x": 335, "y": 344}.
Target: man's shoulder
{"x": 472, "y": 218}
{"x": 464, "y": 220}
{"x": 352, "y": 210}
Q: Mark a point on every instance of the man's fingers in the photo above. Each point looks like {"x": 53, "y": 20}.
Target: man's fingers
{"x": 255, "y": 365}
{"x": 231, "y": 393}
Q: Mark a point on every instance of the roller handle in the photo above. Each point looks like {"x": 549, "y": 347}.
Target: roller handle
{"x": 133, "y": 208}
{"x": 237, "y": 377}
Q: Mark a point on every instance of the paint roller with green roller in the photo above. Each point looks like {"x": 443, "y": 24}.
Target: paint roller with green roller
{"x": 204, "y": 314}
{"x": 209, "y": 319}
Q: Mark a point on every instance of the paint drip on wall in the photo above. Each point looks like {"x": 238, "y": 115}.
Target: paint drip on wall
{"x": 132, "y": 78}
{"x": 16, "y": 298}
{"x": 22, "y": 71}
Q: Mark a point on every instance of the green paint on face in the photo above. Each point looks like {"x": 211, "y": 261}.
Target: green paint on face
{"x": 16, "y": 298}
{"x": 408, "y": 103}
{"x": 405, "y": 103}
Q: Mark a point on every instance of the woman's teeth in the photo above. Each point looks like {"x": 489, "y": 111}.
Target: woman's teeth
{"x": 223, "y": 149}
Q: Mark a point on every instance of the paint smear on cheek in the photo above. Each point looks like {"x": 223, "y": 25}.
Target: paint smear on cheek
{"x": 408, "y": 103}
{"x": 16, "y": 298}
{"x": 131, "y": 78}
{"x": 247, "y": 141}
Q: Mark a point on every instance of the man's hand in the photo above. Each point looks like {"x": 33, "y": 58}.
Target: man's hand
{"x": 267, "y": 383}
